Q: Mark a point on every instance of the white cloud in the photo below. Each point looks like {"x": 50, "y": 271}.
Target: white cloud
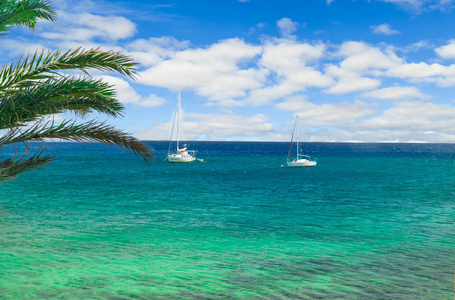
{"x": 154, "y": 50}
{"x": 126, "y": 93}
{"x": 384, "y": 29}
{"x": 287, "y": 26}
{"x": 330, "y": 114}
{"x": 360, "y": 57}
{"x": 407, "y": 121}
{"x": 151, "y": 101}
{"x": 18, "y": 47}
{"x": 414, "y": 116}
{"x": 447, "y": 51}
{"x": 233, "y": 73}
{"x": 417, "y": 6}
{"x": 396, "y": 93}
{"x": 443, "y": 76}
{"x": 57, "y": 118}
{"x": 359, "y": 60}
{"x": 361, "y": 67}
{"x": 84, "y": 27}
{"x": 213, "y": 127}
{"x": 420, "y": 5}
{"x": 415, "y": 47}
{"x": 227, "y": 103}
{"x": 351, "y": 84}
{"x": 214, "y": 72}
{"x": 294, "y": 104}
{"x": 284, "y": 56}
{"x": 292, "y": 63}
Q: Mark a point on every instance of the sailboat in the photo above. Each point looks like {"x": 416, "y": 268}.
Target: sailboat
{"x": 181, "y": 155}
{"x": 300, "y": 160}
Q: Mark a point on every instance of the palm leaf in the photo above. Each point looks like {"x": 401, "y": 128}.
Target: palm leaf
{"x": 23, "y": 13}
{"x": 90, "y": 131}
{"x": 11, "y": 167}
{"x": 77, "y": 95}
{"x": 38, "y": 66}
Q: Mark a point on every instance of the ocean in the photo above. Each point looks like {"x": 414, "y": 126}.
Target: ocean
{"x": 370, "y": 221}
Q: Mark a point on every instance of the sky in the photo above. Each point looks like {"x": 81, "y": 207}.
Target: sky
{"x": 353, "y": 70}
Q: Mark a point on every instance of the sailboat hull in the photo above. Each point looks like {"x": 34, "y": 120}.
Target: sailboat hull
{"x": 180, "y": 159}
{"x": 301, "y": 163}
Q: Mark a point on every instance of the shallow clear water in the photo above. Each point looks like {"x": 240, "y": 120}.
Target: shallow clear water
{"x": 371, "y": 221}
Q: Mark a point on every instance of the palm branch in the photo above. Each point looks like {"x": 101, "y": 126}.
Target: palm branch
{"x": 39, "y": 66}
{"x": 58, "y": 95}
{"x": 23, "y": 13}
{"x": 11, "y": 167}
{"x": 91, "y": 131}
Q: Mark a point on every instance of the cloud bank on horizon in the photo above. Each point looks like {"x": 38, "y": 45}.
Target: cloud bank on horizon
{"x": 240, "y": 88}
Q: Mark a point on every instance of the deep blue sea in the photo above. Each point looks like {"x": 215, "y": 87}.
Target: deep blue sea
{"x": 370, "y": 221}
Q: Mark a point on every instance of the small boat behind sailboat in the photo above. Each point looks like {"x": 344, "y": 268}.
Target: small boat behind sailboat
{"x": 301, "y": 160}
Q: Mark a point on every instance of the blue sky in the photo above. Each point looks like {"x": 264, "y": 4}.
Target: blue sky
{"x": 371, "y": 71}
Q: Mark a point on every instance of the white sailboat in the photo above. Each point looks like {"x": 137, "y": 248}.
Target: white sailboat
{"x": 300, "y": 160}
{"x": 181, "y": 155}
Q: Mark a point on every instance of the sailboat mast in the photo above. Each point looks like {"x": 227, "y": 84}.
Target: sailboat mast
{"x": 298, "y": 133}
{"x": 292, "y": 138}
{"x": 178, "y": 124}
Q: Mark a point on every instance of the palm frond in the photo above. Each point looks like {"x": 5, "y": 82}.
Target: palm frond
{"x": 77, "y": 95}
{"x": 90, "y": 131}
{"x": 11, "y": 167}
{"x": 14, "y": 13}
{"x": 27, "y": 71}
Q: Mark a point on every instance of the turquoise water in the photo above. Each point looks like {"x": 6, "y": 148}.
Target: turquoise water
{"x": 371, "y": 221}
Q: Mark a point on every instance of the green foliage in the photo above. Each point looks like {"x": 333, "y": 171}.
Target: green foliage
{"x": 9, "y": 168}
{"x": 15, "y": 13}
{"x": 34, "y": 87}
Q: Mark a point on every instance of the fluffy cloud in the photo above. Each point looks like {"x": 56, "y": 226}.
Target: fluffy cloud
{"x": 407, "y": 121}
{"x": 414, "y": 116}
{"x": 213, "y": 72}
{"x": 293, "y": 66}
{"x": 234, "y": 73}
{"x": 396, "y": 93}
{"x": 447, "y": 51}
{"x": 442, "y": 75}
{"x": 154, "y": 50}
{"x": 213, "y": 127}
{"x": 359, "y": 60}
{"x": 17, "y": 47}
{"x": 352, "y": 83}
{"x": 84, "y": 27}
{"x": 415, "y": 47}
{"x": 419, "y": 5}
{"x": 126, "y": 93}
{"x": 384, "y": 29}
{"x": 361, "y": 57}
{"x": 331, "y": 114}
{"x": 287, "y": 26}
